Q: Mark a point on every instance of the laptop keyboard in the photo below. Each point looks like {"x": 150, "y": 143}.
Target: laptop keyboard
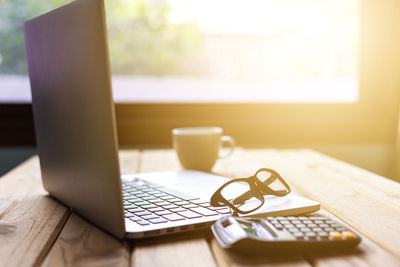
{"x": 147, "y": 203}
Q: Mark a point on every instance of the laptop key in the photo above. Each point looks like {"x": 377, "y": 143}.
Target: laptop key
{"x": 164, "y": 203}
{"x": 142, "y": 222}
{"x": 189, "y": 214}
{"x": 204, "y": 211}
{"x": 224, "y": 211}
{"x": 199, "y": 201}
{"x": 173, "y": 217}
{"x": 156, "y": 200}
{"x": 164, "y": 212}
{"x": 151, "y": 216}
{"x": 172, "y": 200}
{"x": 130, "y": 206}
{"x": 180, "y": 203}
{"x": 167, "y": 197}
{"x": 136, "y": 209}
{"x": 171, "y": 206}
{"x": 179, "y": 209}
{"x": 158, "y": 220}
{"x": 143, "y": 213}
{"x": 156, "y": 209}
{"x": 149, "y": 206}
{"x": 189, "y": 206}
{"x": 134, "y": 218}
{"x": 141, "y": 203}
{"x": 161, "y": 194}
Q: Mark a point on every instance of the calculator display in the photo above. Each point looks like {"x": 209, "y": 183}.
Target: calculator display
{"x": 248, "y": 228}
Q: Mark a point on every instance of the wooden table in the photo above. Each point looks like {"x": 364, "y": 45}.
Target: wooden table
{"x": 37, "y": 230}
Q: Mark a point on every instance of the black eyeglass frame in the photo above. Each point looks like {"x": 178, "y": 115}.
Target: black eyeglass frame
{"x": 257, "y": 189}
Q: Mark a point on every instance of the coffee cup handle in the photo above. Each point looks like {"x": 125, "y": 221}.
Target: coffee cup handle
{"x": 231, "y": 142}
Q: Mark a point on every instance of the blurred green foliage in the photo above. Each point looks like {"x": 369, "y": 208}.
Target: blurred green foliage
{"x": 141, "y": 39}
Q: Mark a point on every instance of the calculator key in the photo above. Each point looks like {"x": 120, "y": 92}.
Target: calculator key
{"x": 311, "y": 225}
{"x": 316, "y": 229}
{"x": 340, "y": 229}
{"x": 348, "y": 235}
{"x": 311, "y": 235}
{"x": 278, "y": 226}
{"x": 335, "y": 235}
{"x": 329, "y": 229}
{"x": 298, "y": 235}
{"x": 307, "y": 221}
{"x": 323, "y": 225}
{"x": 322, "y": 234}
{"x": 305, "y": 229}
{"x": 300, "y": 225}
{"x": 318, "y": 218}
{"x": 293, "y": 230}
{"x": 296, "y": 222}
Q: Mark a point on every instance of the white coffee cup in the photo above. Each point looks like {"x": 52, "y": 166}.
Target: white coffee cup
{"x": 198, "y": 148}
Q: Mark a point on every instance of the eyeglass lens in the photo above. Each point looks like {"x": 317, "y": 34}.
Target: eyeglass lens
{"x": 236, "y": 189}
{"x": 272, "y": 181}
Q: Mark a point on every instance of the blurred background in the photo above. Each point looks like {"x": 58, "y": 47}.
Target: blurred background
{"x": 273, "y": 73}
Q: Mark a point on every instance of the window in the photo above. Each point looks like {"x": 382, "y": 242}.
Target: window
{"x": 206, "y": 51}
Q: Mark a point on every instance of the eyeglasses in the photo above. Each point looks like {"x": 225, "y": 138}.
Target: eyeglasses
{"x": 245, "y": 195}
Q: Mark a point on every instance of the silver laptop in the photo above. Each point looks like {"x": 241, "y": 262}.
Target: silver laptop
{"x": 77, "y": 143}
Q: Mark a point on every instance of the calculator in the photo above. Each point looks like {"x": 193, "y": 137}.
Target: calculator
{"x": 280, "y": 234}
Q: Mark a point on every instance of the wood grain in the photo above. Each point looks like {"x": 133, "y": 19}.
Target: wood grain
{"x": 81, "y": 243}
{"x": 29, "y": 218}
{"x": 182, "y": 250}
{"x": 353, "y": 201}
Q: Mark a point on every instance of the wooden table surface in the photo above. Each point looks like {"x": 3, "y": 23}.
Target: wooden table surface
{"x": 37, "y": 230}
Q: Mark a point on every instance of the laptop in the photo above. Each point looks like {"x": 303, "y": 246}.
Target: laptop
{"x": 77, "y": 144}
